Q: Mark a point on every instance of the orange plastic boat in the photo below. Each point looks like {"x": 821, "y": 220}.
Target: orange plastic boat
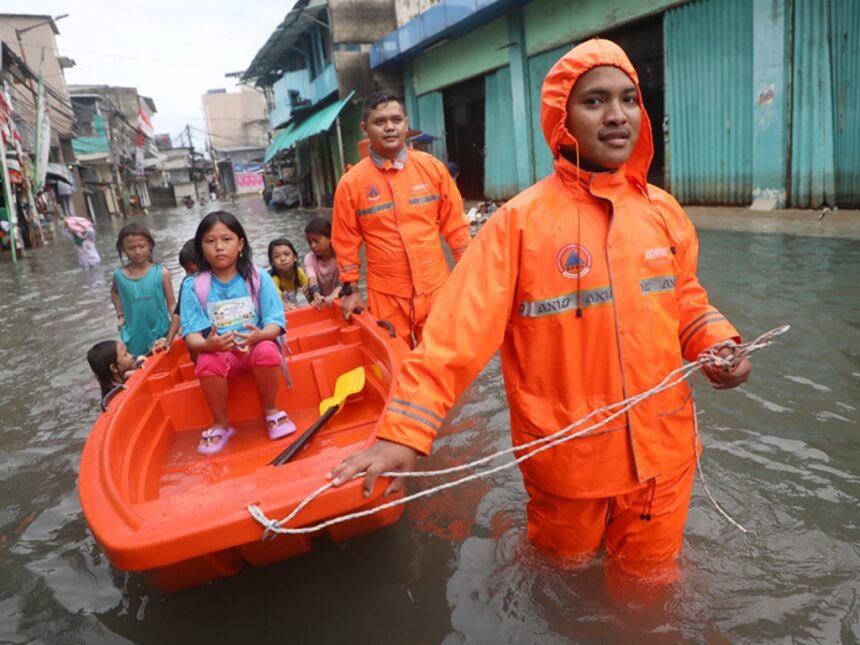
{"x": 157, "y": 506}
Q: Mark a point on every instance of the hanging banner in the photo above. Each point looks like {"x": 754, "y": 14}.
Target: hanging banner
{"x": 43, "y": 134}
{"x": 144, "y": 131}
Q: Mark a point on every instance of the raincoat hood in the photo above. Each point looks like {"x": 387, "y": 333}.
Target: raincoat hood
{"x": 556, "y": 90}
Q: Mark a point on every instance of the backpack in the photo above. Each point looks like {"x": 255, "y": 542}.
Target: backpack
{"x": 202, "y": 287}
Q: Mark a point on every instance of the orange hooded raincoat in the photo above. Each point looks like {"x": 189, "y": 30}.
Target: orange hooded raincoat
{"x": 587, "y": 283}
{"x": 398, "y": 209}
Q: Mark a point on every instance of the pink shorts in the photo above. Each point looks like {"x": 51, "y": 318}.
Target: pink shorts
{"x": 230, "y": 364}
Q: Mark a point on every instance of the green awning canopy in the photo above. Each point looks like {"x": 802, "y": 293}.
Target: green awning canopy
{"x": 317, "y": 123}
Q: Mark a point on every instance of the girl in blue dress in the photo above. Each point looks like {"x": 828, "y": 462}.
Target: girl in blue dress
{"x": 141, "y": 292}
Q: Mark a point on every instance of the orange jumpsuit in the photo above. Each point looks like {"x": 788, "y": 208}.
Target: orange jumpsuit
{"x": 587, "y": 283}
{"x": 399, "y": 208}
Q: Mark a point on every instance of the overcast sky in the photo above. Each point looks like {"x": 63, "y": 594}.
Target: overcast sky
{"x": 170, "y": 50}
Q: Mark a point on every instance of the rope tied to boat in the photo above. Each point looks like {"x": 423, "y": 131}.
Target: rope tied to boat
{"x": 272, "y": 527}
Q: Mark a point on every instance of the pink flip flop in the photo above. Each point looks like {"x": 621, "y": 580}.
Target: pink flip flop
{"x": 222, "y": 436}
{"x": 281, "y": 426}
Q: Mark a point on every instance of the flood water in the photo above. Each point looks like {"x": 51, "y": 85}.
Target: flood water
{"x": 782, "y": 456}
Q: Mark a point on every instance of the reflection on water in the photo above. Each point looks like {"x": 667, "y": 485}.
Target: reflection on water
{"x": 780, "y": 455}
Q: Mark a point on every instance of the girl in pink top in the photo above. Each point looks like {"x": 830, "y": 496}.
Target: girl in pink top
{"x": 321, "y": 264}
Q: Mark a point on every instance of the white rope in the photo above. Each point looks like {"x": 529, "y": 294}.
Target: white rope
{"x": 272, "y": 527}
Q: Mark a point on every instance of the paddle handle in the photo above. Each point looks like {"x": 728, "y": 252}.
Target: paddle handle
{"x": 294, "y": 447}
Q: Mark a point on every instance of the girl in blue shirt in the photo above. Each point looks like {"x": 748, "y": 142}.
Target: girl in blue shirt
{"x": 232, "y": 315}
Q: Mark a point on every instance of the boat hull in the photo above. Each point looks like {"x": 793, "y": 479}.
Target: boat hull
{"x": 156, "y": 506}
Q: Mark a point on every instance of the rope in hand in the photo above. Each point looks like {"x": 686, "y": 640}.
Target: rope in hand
{"x": 272, "y": 527}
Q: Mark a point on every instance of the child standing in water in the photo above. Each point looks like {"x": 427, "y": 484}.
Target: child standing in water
{"x": 81, "y": 231}
{"x": 112, "y": 364}
{"x": 141, "y": 292}
{"x": 286, "y": 273}
{"x": 232, "y": 316}
{"x": 321, "y": 264}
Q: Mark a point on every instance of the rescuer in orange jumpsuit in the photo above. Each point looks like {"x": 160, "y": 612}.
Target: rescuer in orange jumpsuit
{"x": 397, "y": 201}
{"x": 587, "y": 282}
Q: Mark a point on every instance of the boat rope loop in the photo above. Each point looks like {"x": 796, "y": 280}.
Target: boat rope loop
{"x": 272, "y": 527}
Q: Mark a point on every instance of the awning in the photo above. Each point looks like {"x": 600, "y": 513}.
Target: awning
{"x": 266, "y": 67}
{"x": 317, "y": 123}
{"x": 59, "y": 172}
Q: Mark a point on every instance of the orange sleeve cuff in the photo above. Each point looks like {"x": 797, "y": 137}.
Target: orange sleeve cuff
{"x": 401, "y": 433}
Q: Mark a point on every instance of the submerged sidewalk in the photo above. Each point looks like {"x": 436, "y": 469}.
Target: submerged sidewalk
{"x": 834, "y": 223}
{"x": 817, "y": 223}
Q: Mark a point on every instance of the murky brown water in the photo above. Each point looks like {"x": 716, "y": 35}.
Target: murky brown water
{"x": 781, "y": 456}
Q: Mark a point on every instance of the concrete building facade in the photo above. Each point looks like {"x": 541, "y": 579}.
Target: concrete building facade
{"x": 238, "y": 132}
{"x": 30, "y": 57}
{"x": 315, "y": 71}
{"x": 109, "y": 116}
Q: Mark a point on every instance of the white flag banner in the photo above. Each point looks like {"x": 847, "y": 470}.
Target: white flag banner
{"x": 43, "y": 134}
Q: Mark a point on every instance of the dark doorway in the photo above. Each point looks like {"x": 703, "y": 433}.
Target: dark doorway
{"x": 464, "y": 134}
{"x": 643, "y": 42}
{"x": 228, "y": 179}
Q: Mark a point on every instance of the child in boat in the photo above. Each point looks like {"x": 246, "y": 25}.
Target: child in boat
{"x": 112, "y": 364}
{"x": 232, "y": 316}
{"x": 141, "y": 292}
{"x": 188, "y": 261}
{"x": 286, "y": 273}
{"x": 321, "y": 264}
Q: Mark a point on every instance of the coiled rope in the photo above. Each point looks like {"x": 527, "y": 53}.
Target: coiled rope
{"x": 272, "y": 527}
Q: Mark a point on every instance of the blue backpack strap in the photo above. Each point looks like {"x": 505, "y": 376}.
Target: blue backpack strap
{"x": 253, "y": 286}
{"x": 202, "y": 287}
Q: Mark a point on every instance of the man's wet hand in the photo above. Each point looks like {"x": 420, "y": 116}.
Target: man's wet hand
{"x": 351, "y": 304}
{"x": 724, "y": 377}
{"x": 383, "y": 456}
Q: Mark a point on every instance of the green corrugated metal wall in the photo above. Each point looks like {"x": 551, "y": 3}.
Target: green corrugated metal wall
{"x": 709, "y": 98}
{"x": 538, "y": 67}
{"x": 812, "y": 153}
{"x": 350, "y": 118}
{"x": 500, "y": 167}
{"x": 845, "y": 47}
{"x": 431, "y": 119}
{"x": 825, "y": 142}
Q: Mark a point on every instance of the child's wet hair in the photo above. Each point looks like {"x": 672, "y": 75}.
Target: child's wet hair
{"x": 320, "y": 226}
{"x": 101, "y": 357}
{"x": 134, "y": 228}
{"x": 188, "y": 255}
{"x": 244, "y": 265}
{"x": 281, "y": 241}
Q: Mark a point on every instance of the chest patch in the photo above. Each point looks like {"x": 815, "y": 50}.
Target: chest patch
{"x": 373, "y": 194}
{"x": 657, "y": 255}
{"x": 573, "y": 261}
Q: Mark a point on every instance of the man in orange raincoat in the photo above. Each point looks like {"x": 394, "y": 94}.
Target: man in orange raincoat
{"x": 397, "y": 201}
{"x": 587, "y": 281}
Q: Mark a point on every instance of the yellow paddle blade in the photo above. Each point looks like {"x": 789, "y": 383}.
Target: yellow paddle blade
{"x": 352, "y": 382}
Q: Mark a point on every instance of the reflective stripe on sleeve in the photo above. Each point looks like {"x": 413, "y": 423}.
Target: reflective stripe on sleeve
{"x": 406, "y": 413}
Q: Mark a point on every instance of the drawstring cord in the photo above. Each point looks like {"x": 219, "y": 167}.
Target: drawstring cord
{"x": 578, "y": 242}
{"x": 650, "y": 493}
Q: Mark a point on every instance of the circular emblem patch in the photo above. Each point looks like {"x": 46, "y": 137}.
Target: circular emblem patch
{"x": 574, "y": 261}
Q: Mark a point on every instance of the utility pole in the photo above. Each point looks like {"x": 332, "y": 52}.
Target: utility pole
{"x": 191, "y": 151}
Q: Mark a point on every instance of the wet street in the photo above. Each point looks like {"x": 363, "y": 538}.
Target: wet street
{"x": 781, "y": 457}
